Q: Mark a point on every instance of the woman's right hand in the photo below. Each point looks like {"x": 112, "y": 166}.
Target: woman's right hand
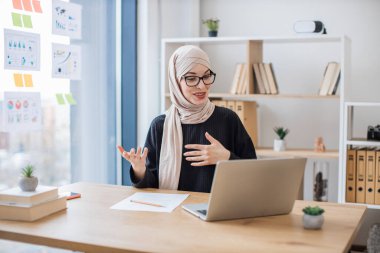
{"x": 137, "y": 159}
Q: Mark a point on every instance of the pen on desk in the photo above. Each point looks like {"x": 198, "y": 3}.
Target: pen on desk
{"x": 146, "y": 203}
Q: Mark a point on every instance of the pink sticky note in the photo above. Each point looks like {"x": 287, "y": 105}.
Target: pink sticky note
{"x": 37, "y": 6}
{"x": 17, "y": 4}
{"x": 27, "y": 5}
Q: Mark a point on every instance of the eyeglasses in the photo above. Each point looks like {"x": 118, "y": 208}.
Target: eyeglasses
{"x": 193, "y": 81}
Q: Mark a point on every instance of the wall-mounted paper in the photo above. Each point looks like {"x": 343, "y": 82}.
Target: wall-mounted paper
{"x": 16, "y": 19}
{"x": 28, "y": 80}
{"x": 18, "y": 80}
{"x": 37, "y": 6}
{"x": 21, "y": 111}
{"x": 27, "y": 20}
{"x": 22, "y": 50}
{"x": 17, "y": 4}
{"x": 60, "y": 99}
{"x": 70, "y": 99}
{"x": 66, "y": 61}
{"x": 27, "y": 5}
{"x": 67, "y": 19}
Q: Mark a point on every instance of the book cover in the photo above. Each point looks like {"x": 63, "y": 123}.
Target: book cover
{"x": 15, "y": 196}
{"x": 259, "y": 81}
{"x": 270, "y": 76}
{"x": 327, "y": 79}
{"x": 32, "y": 213}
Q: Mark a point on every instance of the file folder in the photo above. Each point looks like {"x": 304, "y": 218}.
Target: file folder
{"x": 247, "y": 114}
{"x": 377, "y": 180}
{"x": 360, "y": 176}
{"x": 351, "y": 176}
{"x": 370, "y": 177}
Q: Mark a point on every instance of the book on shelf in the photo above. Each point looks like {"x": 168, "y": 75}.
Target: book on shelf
{"x": 32, "y": 213}
{"x": 259, "y": 85}
{"x": 351, "y": 176}
{"x": 265, "y": 79}
{"x": 329, "y": 84}
{"x": 235, "y": 80}
{"x": 271, "y": 78}
{"x": 15, "y": 196}
{"x": 360, "y": 175}
{"x": 335, "y": 80}
{"x": 242, "y": 86}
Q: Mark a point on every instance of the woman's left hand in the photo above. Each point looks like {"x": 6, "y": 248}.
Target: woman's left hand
{"x": 207, "y": 154}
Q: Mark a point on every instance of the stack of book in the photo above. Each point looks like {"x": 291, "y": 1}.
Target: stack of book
{"x": 16, "y": 204}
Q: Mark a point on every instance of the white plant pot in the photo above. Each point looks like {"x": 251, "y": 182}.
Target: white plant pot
{"x": 313, "y": 221}
{"x": 28, "y": 184}
{"x": 279, "y": 145}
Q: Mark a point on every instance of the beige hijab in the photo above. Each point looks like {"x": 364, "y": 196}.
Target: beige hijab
{"x": 181, "y": 111}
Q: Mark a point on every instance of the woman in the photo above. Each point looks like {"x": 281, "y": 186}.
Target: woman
{"x": 184, "y": 145}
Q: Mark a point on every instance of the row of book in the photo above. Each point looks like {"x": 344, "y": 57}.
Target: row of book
{"x": 264, "y": 81}
{"x": 363, "y": 176}
{"x": 331, "y": 77}
{"x": 247, "y": 112}
{"x": 16, "y": 204}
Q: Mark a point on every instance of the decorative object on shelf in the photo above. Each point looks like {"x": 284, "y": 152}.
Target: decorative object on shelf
{"x": 309, "y": 26}
{"x": 319, "y": 146}
{"x": 373, "y": 133}
{"x": 320, "y": 180}
{"x": 313, "y": 218}
{"x": 28, "y": 182}
{"x": 280, "y": 144}
{"x": 373, "y": 242}
{"x": 212, "y": 26}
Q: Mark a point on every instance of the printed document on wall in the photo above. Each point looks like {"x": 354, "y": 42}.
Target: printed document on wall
{"x": 22, "y": 50}
{"x": 66, "y": 61}
{"x": 67, "y": 19}
{"x": 21, "y": 112}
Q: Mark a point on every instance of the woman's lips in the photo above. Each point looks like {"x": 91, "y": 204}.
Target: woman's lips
{"x": 200, "y": 95}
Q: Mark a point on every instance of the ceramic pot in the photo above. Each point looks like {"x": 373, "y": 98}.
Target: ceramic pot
{"x": 28, "y": 184}
{"x": 313, "y": 221}
{"x": 279, "y": 145}
{"x": 213, "y": 33}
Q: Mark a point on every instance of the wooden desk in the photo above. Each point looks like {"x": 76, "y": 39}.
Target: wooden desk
{"x": 90, "y": 225}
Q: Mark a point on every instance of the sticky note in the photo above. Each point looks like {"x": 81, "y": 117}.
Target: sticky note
{"x": 16, "y": 18}
{"x": 60, "y": 99}
{"x": 27, "y": 5}
{"x": 28, "y": 80}
{"x": 27, "y": 19}
{"x": 17, "y": 4}
{"x": 37, "y": 6}
{"x": 18, "y": 80}
{"x": 70, "y": 99}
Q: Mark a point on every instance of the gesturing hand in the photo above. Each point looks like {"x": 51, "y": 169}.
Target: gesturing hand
{"x": 136, "y": 159}
{"x": 206, "y": 154}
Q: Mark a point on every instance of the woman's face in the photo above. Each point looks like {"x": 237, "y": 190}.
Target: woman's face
{"x": 197, "y": 94}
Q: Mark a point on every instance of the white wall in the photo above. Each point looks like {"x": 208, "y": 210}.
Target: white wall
{"x": 356, "y": 19}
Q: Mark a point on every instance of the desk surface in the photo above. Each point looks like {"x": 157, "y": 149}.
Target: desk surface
{"x": 88, "y": 224}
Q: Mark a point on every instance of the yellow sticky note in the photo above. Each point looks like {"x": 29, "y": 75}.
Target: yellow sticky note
{"x": 60, "y": 99}
{"x": 70, "y": 99}
{"x": 28, "y": 80}
{"x": 18, "y": 80}
{"x": 16, "y": 18}
{"x": 27, "y": 19}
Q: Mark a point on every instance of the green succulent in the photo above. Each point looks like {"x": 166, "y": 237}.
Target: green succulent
{"x": 28, "y": 171}
{"x": 211, "y": 23}
{"x": 281, "y": 132}
{"x": 314, "y": 211}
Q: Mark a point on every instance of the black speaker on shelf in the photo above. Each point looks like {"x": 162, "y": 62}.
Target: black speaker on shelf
{"x": 373, "y": 133}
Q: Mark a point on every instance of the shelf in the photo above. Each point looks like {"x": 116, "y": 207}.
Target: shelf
{"x": 262, "y": 96}
{"x": 371, "y": 206}
{"x": 362, "y": 142}
{"x": 307, "y": 153}
{"x": 362, "y": 104}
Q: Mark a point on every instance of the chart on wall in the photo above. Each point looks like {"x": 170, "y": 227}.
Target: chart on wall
{"x": 67, "y": 19}
{"x": 66, "y": 61}
{"x": 21, "y": 112}
{"x": 21, "y": 50}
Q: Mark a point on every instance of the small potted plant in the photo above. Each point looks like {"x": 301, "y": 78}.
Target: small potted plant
{"x": 28, "y": 182}
{"x": 280, "y": 144}
{"x": 212, "y": 25}
{"x": 313, "y": 218}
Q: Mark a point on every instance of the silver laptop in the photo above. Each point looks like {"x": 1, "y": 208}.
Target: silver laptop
{"x": 251, "y": 188}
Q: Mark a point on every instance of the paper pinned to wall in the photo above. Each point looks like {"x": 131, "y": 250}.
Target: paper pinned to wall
{"x": 28, "y": 80}
{"x": 21, "y": 112}
{"x": 37, "y": 6}
{"x": 66, "y": 61}
{"x": 18, "y": 80}
{"x": 27, "y": 20}
{"x": 27, "y": 5}
{"x": 17, "y": 4}
{"x": 67, "y": 19}
{"x": 16, "y": 19}
{"x": 22, "y": 50}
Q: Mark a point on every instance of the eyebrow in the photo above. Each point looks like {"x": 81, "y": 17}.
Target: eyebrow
{"x": 193, "y": 73}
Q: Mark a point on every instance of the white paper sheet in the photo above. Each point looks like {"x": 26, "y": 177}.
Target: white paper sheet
{"x": 168, "y": 201}
{"x": 21, "y": 112}
{"x": 67, "y": 19}
{"x": 66, "y": 61}
{"x": 22, "y": 50}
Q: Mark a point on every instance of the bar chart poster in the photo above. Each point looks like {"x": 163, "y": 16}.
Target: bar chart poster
{"x": 66, "y": 61}
{"x": 21, "y": 50}
{"x": 21, "y": 112}
{"x": 67, "y": 19}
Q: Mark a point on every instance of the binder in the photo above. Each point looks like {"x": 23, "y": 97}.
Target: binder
{"x": 377, "y": 176}
{"x": 231, "y": 105}
{"x": 248, "y": 116}
{"x": 370, "y": 177}
{"x": 351, "y": 176}
{"x": 360, "y": 176}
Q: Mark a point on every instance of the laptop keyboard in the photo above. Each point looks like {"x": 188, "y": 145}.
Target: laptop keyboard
{"x": 204, "y": 212}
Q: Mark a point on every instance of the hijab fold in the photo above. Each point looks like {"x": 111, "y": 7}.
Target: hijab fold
{"x": 180, "y": 112}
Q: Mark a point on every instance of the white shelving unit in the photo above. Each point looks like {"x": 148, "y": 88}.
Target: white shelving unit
{"x": 253, "y": 51}
{"x": 349, "y": 139}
